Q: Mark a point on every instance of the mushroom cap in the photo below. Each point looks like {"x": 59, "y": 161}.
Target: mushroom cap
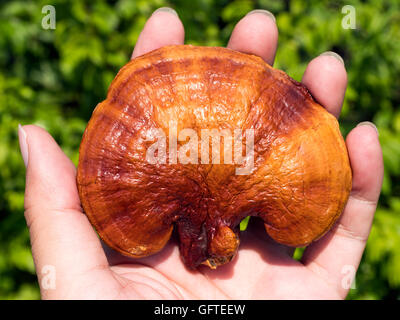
{"x": 296, "y": 177}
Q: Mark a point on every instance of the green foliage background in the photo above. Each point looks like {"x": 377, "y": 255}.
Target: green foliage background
{"x": 54, "y": 78}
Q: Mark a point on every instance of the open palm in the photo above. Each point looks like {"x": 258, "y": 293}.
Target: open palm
{"x": 71, "y": 261}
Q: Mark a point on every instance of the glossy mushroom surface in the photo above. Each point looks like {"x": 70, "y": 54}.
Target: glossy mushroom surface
{"x": 298, "y": 182}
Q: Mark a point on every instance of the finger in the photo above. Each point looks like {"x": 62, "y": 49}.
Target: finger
{"x": 163, "y": 28}
{"x": 62, "y": 238}
{"x": 256, "y": 34}
{"x": 326, "y": 78}
{"x": 337, "y": 255}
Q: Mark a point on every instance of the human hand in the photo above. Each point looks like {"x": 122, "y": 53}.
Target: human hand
{"x": 84, "y": 268}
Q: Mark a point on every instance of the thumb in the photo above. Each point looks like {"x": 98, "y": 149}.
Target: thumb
{"x": 63, "y": 241}
{"x": 50, "y": 175}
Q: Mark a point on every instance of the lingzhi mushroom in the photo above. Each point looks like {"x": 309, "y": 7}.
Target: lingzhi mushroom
{"x": 298, "y": 182}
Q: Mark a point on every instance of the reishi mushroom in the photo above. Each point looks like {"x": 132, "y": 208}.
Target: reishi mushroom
{"x": 298, "y": 184}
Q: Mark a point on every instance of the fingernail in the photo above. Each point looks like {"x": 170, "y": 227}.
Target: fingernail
{"x": 266, "y": 12}
{"x": 333, "y": 54}
{"x": 166, "y": 9}
{"x": 368, "y": 123}
{"x": 23, "y": 145}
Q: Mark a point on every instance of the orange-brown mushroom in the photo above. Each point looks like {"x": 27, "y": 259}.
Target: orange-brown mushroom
{"x": 298, "y": 183}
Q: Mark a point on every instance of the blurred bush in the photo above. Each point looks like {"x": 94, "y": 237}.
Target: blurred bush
{"x": 54, "y": 78}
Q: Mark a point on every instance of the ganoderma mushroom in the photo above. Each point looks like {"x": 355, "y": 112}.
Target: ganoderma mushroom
{"x": 298, "y": 182}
